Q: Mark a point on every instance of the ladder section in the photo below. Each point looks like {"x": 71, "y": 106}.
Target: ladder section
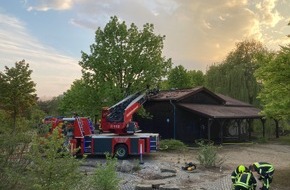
{"x": 154, "y": 143}
{"x": 87, "y": 144}
{"x": 80, "y": 124}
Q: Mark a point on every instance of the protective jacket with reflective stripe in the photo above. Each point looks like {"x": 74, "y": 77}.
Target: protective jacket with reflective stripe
{"x": 235, "y": 174}
{"x": 246, "y": 180}
{"x": 263, "y": 168}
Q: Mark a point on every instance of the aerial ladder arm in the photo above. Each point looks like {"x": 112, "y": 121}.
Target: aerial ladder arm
{"x": 118, "y": 118}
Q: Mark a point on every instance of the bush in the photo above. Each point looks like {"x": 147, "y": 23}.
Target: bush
{"x": 105, "y": 177}
{"x": 13, "y": 160}
{"x": 262, "y": 140}
{"x": 207, "y": 154}
{"x": 14, "y": 146}
{"x": 172, "y": 144}
{"x": 52, "y": 168}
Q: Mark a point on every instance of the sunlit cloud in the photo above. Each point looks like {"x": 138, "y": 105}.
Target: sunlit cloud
{"x": 234, "y": 3}
{"x": 221, "y": 18}
{"x": 192, "y": 28}
{"x": 267, "y": 12}
{"x": 45, "y": 5}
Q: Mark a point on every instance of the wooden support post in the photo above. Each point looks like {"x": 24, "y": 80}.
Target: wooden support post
{"x": 221, "y": 123}
{"x": 222, "y": 131}
{"x": 208, "y": 132}
{"x": 250, "y": 122}
{"x": 239, "y": 121}
{"x": 209, "y": 123}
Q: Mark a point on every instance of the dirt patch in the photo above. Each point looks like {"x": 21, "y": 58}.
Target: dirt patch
{"x": 209, "y": 178}
{"x": 233, "y": 155}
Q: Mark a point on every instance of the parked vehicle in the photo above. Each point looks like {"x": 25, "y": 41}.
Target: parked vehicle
{"x": 120, "y": 135}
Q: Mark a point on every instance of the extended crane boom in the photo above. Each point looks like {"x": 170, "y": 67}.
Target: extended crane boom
{"x": 118, "y": 118}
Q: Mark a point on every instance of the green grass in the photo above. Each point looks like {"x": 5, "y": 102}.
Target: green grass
{"x": 282, "y": 140}
{"x": 171, "y": 145}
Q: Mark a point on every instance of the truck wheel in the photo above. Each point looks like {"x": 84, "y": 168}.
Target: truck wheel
{"x": 121, "y": 151}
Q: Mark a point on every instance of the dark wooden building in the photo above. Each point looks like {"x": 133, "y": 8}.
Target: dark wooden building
{"x": 198, "y": 113}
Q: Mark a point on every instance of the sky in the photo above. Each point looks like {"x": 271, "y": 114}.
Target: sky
{"x": 51, "y": 34}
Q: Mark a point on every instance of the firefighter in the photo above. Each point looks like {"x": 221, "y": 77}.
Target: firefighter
{"x": 245, "y": 181}
{"x": 237, "y": 172}
{"x": 266, "y": 171}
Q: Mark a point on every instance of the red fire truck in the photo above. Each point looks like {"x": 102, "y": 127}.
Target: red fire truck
{"x": 120, "y": 135}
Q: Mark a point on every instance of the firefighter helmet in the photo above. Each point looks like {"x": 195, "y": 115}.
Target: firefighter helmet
{"x": 241, "y": 168}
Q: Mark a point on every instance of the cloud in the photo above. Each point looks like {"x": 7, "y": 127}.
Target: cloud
{"x": 192, "y": 28}
{"x": 45, "y": 5}
{"x": 51, "y": 69}
{"x": 198, "y": 33}
{"x": 268, "y": 14}
{"x": 199, "y": 28}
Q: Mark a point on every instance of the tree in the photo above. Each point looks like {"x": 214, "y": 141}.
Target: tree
{"x": 123, "y": 60}
{"x": 16, "y": 99}
{"x": 13, "y": 161}
{"x": 274, "y": 74}
{"x": 50, "y": 107}
{"x": 17, "y": 93}
{"x": 80, "y": 98}
{"x": 51, "y": 167}
{"x": 179, "y": 78}
{"x": 197, "y": 78}
{"x": 235, "y": 76}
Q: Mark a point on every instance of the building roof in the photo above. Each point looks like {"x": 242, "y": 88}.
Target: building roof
{"x": 171, "y": 94}
{"x": 233, "y": 102}
{"x": 221, "y": 111}
{"x": 179, "y": 94}
{"x": 229, "y": 107}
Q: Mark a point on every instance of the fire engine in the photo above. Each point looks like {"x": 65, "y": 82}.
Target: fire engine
{"x": 120, "y": 135}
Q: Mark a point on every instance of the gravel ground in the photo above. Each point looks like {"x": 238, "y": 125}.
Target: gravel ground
{"x": 201, "y": 178}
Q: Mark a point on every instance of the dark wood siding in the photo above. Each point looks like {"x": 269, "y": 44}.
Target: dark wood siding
{"x": 188, "y": 126}
{"x": 162, "y": 119}
{"x": 201, "y": 98}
